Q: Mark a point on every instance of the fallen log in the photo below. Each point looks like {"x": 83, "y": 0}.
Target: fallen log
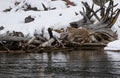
{"x": 47, "y": 43}
{"x": 17, "y": 39}
{"x": 31, "y": 40}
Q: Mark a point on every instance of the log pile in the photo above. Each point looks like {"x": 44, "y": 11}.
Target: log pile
{"x": 101, "y": 31}
{"x": 80, "y": 33}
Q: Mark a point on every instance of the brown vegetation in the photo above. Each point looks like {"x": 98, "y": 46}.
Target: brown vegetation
{"x": 68, "y": 2}
{"x": 78, "y": 35}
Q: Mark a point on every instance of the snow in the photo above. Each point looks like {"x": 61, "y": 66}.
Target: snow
{"x": 4, "y": 4}
{"x": 58, "y": 18}
{"x": 115, "y": 45}
{"x": 43, "y": 19}
{"x": 58, "y": 4}
{"x": 15, "y": 20}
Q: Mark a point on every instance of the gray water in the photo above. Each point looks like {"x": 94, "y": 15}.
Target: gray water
{"x": 72, "y": 64}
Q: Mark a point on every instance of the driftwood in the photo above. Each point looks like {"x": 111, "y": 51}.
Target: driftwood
{"x": 102, "y": 29}
{"x": 31, "y": 40}
{"x": 47, "y": 43}
{"x": 17, "y": 39}
{"x": 82, "y": 34}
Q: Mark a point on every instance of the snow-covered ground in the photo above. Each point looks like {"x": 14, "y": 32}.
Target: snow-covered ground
{"x": 115, "y": 45}
{"x": 57, "y": 18}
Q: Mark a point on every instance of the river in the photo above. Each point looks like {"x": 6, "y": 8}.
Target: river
{"x": 70, "y": 64}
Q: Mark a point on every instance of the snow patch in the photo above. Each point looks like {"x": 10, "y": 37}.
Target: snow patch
{"x": 115, "y": 45}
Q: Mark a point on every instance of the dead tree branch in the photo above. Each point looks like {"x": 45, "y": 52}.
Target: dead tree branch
{"x": 17, "y": 39}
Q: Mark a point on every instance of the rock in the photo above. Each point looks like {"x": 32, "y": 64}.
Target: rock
{"x": 29, "y": 19}
{"x": 1, "y": 27}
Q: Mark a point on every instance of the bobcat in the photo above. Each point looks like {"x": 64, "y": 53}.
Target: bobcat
{"x": 75, "y": 34}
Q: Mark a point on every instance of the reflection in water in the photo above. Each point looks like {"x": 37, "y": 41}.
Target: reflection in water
{"x": 72, "y": 64}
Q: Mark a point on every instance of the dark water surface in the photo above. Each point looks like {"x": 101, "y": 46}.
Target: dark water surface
{"x": 72, "y": 64}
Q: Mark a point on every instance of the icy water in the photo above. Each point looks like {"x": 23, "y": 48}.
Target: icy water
{"x": 72, "y": 64}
